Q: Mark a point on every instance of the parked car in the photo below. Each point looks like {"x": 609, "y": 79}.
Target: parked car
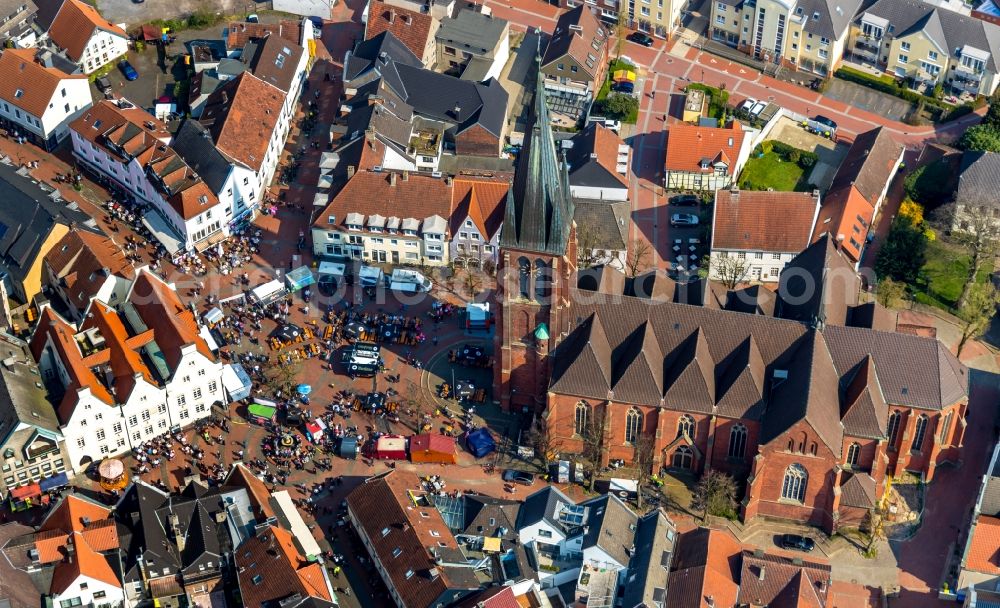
{"x": 685, "y": 200}
{"x": 614, "y": 125}
{"x": 748, "y": 105}
{"x": 757, "y": 109}
{"x": 683, "y": 219}
{"x": 641, "y": 38}
{"x": 515, "y": 476}
{"x": 821, "y": 125}
{"x": 797, "y": 542}
{"x": 623, "y": 87}
{"x": 128, "y": 70}
{"x": 253, "y": 18}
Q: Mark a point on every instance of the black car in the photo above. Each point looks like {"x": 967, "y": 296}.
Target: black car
{"x": 515, "y": 476}
{"x": 797, "y": 542}
{"x": 641, "y": 38}
{"x": 623, "y": 87}
{"x": 685, "y": 200}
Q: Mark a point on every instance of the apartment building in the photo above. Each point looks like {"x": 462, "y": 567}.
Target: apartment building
{"x": 38, "y": 99}
{"x": 472, "y": 45}
{"x": 126, "y": 145}
{"x": 87, "y": 38}
{"x": 927, "y": 45}
{"x": 127, "y": 373}
{"x": 415, "y": 28}
{"x": 478, "y": 206}
{"x": 387, "y": 217}
{"x": 806, "y": 34}
{"x": 575, "y": 62}
{"x": 16, "y": 20}
{"x": 746, "y": 226}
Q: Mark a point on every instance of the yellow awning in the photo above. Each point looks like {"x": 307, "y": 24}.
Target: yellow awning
{"x": 491, "y": 544}
{"x": 624, "y": 75}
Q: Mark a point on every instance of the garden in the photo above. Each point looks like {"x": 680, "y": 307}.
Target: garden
{"x": 617, "y": 106}
{"x": 778, "y": 166}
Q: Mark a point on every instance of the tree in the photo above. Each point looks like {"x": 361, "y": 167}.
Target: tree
{"x": 542, "y": 442}
{"x": 980, "y": 138}
{"x": 729, "y": 270}
{"x": 875, "y": 524}
{"x": 282, "y": 378}
{"x": 977, "y": 312}
{"x": 890, "y": 293}
{"x": 620, "y": 26}
{"x": 913, "y": 211}
{"x": 593, "y": 444}
{"x": 637, "y": 259}
{"x": 643, "y": 460}
{"x": 588, "y": 253}
{"x": 903, "y": 254}
{"x": 930, "y": 184}
{"x": 620, "y": 106}
{"x": 715, "y": 494}
{"x": 977, "y": 232}
{"x": 472, "y": 282}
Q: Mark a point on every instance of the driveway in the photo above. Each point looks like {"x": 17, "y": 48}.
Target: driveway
{"x": 159, "y": 70}
{"x": 862, "y": 97}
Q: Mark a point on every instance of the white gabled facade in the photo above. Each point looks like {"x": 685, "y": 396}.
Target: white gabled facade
{"x": 90, "y": 591}
{"x": 102, "y": 48}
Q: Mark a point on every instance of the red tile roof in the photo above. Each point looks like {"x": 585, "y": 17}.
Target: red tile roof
{"x": 238, "y": 33}
{"x": 482, "y": 200}
{"x": 241, "y": 115}
{"x": 777, "y": 582}
{"x": 688, "y": 145}
{"x": 37, "y": 84}
{"x": 706, "y": 564}
{"x": 374, "y": 193}
{"x": 984, "y": 547}
{"x": 760, "y": 220}
{"x": 411, "y": 27}
{"x": 271, "y": 569}
{"x": 75, "y": 24}
{"x": 82, "y": 260}
{"x": 173, "y": 324}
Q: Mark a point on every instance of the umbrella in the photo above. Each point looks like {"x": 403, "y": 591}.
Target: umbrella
{"x": 304, "y": 389}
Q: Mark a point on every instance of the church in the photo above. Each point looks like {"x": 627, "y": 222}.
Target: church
{"x": 811, "y": 399}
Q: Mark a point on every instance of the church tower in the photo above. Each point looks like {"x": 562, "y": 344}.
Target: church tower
{"x": 537, "y": 266}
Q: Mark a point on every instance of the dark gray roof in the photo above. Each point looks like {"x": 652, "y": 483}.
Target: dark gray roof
{"x": 605, "y": 223}
{"x": 542, "y": 506}
{"x": 858, "y": 490}
{"x": 868, "y": 163}
{"x": 948, "y": 29}
{"x": 654, "y": 545}
{"x": 611, "y": 527}
{"x": 834, "y": 16}
{"x": 27, "y": 216}
{"x": 818, "y": 286}
{"x": 990, "y": 498}
{"x": 481, "y": 510}
{"x": 22, "y": 401}
{"x": 583, "y": 160}
{"x": 194, "y": 144}
{"x": 471, "y": 31}
{"x": 231, "y": 68}
{"x": 540, "y": 208}
{"x": 367, "y": 54}
{"x": 453, "y": 100}
{"x": 979, "y": 178}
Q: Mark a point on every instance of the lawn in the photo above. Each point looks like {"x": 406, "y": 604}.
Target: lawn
{"x": 605, "y": 90}
{"x": 770, "y": 171}
{"x": 943, "y": 275}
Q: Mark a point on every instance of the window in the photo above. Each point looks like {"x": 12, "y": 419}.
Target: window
{"x": 685, "y": 426}
{"x": 903, "y": 59}
{"x": 742, "y": 255}
{"x": 181, "y": 399}
{"x": 145, "y": 415}
{"x": 945, "y": 427}
{"x": 100, "y": 434}
{"x": 824, "y": 41}
{"x": 904, "y": 46}
{"x": 758, "y": 255}
{"x": 524, "y": 276}
{"x": 81, "y": 442}
{"x": 720, "y": 6}
{"x": 932, "y": 55}
{"x": 545, "y": 533}
{"x": 682, "y": 458}
{"x": 794, "y": 485}
{"x": 720, "y": 19}
{"x": 919, "y": 432}
{"x": 133, "y": 420}
{"x": 853, "y": 454}
{"x": 117, "y": 428}
{"x": 212, "y": 386}
{"x": 542, "y": 277}
{"x": 197, "y": 393}
{"x": 633, "y": 425}
{"x": 582, "y": 412}
{"x": 822, "y": 53}
{"x": 737, "y": 442}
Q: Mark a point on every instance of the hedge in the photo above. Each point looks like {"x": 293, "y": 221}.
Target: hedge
{"x": 802, "y": 158}
{"x": 888, "y": 85}
{"x": 718, "y": 99}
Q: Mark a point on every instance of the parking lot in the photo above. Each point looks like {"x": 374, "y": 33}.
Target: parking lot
{"x": 133, "y": 13}
{"x": 868, "y": 99}
{"x": 831, "y": 154}
{"x": 688, "y": 244}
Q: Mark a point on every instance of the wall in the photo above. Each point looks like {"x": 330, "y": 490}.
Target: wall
{"x": 102, "y": 48}
{"x": 113, "y": 594}
{"x": 305, "y": 8}
{"x": 684, "y": 180}
{"x": 766, "y": 269}
{"x": 477, "y": 141}
{"x": 32, "y": 282}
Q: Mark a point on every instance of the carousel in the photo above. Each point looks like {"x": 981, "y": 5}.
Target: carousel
{"x": 113, "y": 475}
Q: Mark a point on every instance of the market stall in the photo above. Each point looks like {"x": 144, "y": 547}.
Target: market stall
{"x": 390, "y": 447}
{"x": 236, "y": 381}
{"x": 480, "y": 442}
{"x": 56, "y": 482}
{"x": 267, "y": 293}
{"x": 348, "y": 447}
{"x": 26, "y": 497}
{"x": 315, "y": 429}
{"x": 262, "y": 413}
{"x": 428, "y": 447}
{"x": 299, "y": 278}
{"x": 113, "y": 475}
{"x": 477, "y": 316}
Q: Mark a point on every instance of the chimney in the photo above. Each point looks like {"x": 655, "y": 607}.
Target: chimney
{"x": 350, "y": 171}
{"x": 447, "y": 180}
{"x": 406, "y": 176}
{"x": 45, "y": 58}
{"x": 392, "y": 179}
{"x": 392, "y": 15}
{"x": 760, "y": 573}
{"x": 457, "y": 110}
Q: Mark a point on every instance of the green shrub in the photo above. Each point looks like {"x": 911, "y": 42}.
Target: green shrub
{"x": 794, "y": 156}
{"x": 808, "y": 160}
{"x": 767, "y": 147}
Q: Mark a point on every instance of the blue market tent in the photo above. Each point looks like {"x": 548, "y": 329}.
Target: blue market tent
{"x": 56, "y": 481}
{"x": 480, "y": 443}
{"x": 236, "y": 381}
{"x": 299, "y": 278}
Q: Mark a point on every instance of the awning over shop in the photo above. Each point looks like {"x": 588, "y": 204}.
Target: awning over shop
{"x": 261, "y": 411}
{"x": 163, "y": 232}
{"x": 331, "y": 269}
{"x": 206, "y": 335}
{"x": 56, "y": 481}
{"x": 299, "y": 278}
{"x": 268, "y": 292}
{"x": 237, "y": 382}
{"x": 213, "y": 316}
{"x": 292, "y": 520}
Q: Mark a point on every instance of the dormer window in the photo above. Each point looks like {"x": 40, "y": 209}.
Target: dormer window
{"x": 19, "y": 93}
{"x": 705, "y": 164}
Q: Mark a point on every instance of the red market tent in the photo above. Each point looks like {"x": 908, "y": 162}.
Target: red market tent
{"x": 432, "y": 448}
{"x": 390, "y": 447}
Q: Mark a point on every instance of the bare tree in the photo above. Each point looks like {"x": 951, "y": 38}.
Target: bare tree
{"x": 593, "y": 443}
{"x": 472, "y": 282}
{"x": 638, "y": 257}
{"x": 542, "y": 440}
{"x": 620, "y": 26}
{"x": 975, "y": 230}
{"x": 729, "y": 270}
{"x": 282, "y": 378}
{"x": 715, "y": 494}
{"x": 890, "y": 293}
{"x": 588, "y": 254}
{"x": 977, "y": 312}
{"x": 643, "y": 460}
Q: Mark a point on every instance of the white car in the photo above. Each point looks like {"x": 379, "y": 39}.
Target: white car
{"x": 757, "y": 108}
{"x": 614, "y": 125}
{"x": 683, "y": 219}
{"x": 748, "y": 105}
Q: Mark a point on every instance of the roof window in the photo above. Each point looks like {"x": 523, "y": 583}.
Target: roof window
{"x": 19, "y": 93}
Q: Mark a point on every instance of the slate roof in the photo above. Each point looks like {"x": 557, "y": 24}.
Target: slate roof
{"x": 602, "y": 224}
{"x": 437, "y": 96}
{"x": 865, "y": 412}
{"x": 593, "y": 159}
{"x": 542, "y": 506}
{"x": 241, "y": 115}
{"x": 948, "y": 29}
{"x": 274, "y": 60}
{"x": 540, "y": 207}
{"x": 774, "y": 580}
{"x": 26, "y": 220}
{"x": 826, "y": 277}
{"x": 471, "y": 31}
{"x": 834, "y": 16}
{"x": 566, "y": 40}
{"x": 655, "y": 537}
{"x": 21, "y": 401}
{"x": 377, "y": 52}
{"x": 706, "y": 562}
{"x": 979, "y": 178}
{"x": 871, "y": 157}
{"x": 611, "y": 527}
{"x": 193, "y": 142}
{"x": 481, "y": 509}
{"x": 744, "y": 220}
{"x": 411, "y": 27}
{"x": 383, "y": 503}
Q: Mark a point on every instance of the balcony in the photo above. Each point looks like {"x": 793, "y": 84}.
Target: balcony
{"x": 552, "y": 563}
